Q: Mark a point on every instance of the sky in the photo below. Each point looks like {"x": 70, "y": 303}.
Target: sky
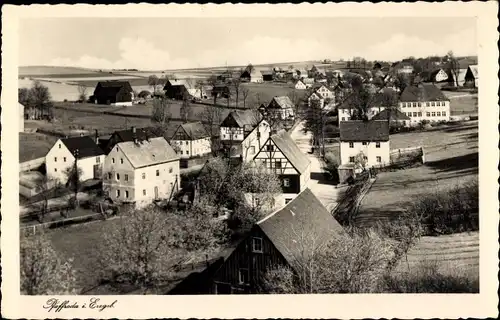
{"x": 176, "y": 43}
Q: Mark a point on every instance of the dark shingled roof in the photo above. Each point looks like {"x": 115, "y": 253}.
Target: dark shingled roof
{"x": 245, "y": 118}
{"x": 86, "y": 147}
{"x": 359, "y": 130}
{"x": 111, "y": 87}
{"x": 194, "y": 130}
{"x": 291, "y": 151}
{"x": 394, "y": 114}
{"x": 304, "y": 217}
{"x": 424, "y": 92}
{"x": 281, "y": 102}
{"x": 140, "y": 134}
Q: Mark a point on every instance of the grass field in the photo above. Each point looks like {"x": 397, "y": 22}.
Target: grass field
{"x": 34, "y": 145}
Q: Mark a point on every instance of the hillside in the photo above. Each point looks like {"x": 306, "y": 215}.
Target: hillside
{"x": 49, "y": 70}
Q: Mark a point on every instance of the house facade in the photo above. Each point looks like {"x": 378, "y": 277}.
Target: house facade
{"x": 141, "y": 171}
{"x": 61, "y": 158}
{"x": 115, "y": 93}
{"x": 364, "y": 141}
{"x": 272, "y": 242}
{"x": 281, "y": 107}
{"x": 191, "y": 140}
{"x": 282, "y": 156}
{"x": 299, "y": 85}
{"x": 424, "y": 102}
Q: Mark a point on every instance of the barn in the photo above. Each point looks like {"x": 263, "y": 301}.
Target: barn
{"x": 116, "y": 93}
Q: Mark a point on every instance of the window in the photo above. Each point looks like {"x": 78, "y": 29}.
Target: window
{"x": 126, "y": 177}
{"x": 438, "y": 114}
{"x": 252, "y": 150}
{"x": 286, "y": 182}
{"x": 224, "y": 136}
{"x": 364, "y": 143}
{"x": 243, "y": 276}
{"x": 182, "y": 152}
{"x": 365, "y": 158}
{"x": 97, "y": 160}
{"x": 109, "y": 175}
{"x": 157, "y": 172}
{"x": 257, "y": 244}
{"x": 351, "y": 159}
{"x": 414, "y": 114}
{"x": 144, "y": 192}
{"x": 432, "y": 104}
{"x": 420, "y": 114}
{"x": 55, "y": 169}
{"x": 443, "y": 113}
{"x": 64, "y": 159}
{"x": 126, "y": 194}
{"x": 59, "y": 146}
{"x": 414, "y": 104}
{"x": 256, "y": 201}
{"x": 277, "y": 164}
{"x": 121, "y": 160}
{"x": 170, "y": 170}
{"x": 117, "y": 176}
{"x": 55, "y": 159}
{"x": 433, "y": 114}
{"x": 269, "y": 147}
{"x": 427, "y": 104}
{"x": 287, "y": 200}
{"x": 258, "y": 135}
{"x": 377, "y": 144}
{"x": 343, "y": 118}
{"x": 419, "y": 104}
{"x": 144, "y": 175}
{"x": 351, "y": 144}
{"x": 113, "y": 160}
{"x": 428, "y": 114}
{"x": 118, "y": 193}
{"x": 379, "y": 159}
{"x": 187, "y": 152}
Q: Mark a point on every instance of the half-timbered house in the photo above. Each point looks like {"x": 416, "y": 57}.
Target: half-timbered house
{"x": 191, "y": 140}
{"x": 281, "y": 155}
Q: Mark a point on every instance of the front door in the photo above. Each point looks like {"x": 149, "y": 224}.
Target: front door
{"x": 156, "y": 193}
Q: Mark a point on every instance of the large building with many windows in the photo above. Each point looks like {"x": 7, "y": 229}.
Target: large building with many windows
{"x": 424, "y": 102}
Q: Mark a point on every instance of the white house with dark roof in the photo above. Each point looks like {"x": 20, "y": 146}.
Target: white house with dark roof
{"x": 367, "y": 139}
{"x": 281, "y": 106}
{"x": 61, "y": 158}
{"x": 192, "y": 140}
{"x": 243, "y": 133}
{"x": 424, "y": 102}
{"x": 282, "y": 156}
{"x": 141, "y": 171}
{"x": 299, "y": 85}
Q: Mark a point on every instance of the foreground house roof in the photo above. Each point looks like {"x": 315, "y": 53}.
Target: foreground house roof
{"x": 282, "y": 102}
{"x": 86, "y": 147}
{"x": 291, "y": 151}
{"x": 243, "y": 118}
{"x": 303, "y": 222}
{"x": 394, "y": 115}
{"x": 424, "y": 92}
{"x": 148, "y": 152}
{"x": 358, "y": 130}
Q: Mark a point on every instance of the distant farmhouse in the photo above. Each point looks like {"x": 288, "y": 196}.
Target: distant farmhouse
{"x": 140, "y": 171}
{"x": 299, "y": 85}
{"x": 243, "y": 133}
{"x": 115, "y": 93}
{"x": 425, "y": 102}
{"x": 182, "y": 89}
{"x": 192, "y": 140}
{"x": 61, "y": 159}
{"x": 472, "y": 76}
{"x": 367, "y": 139}
{"x": 281, "y": 155}
{"x": 251, "y": 76}
{"x": 267, "y": 75}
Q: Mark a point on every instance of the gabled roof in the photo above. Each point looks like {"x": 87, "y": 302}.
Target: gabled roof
{"x": 148, "y": 152}
{"x": 394, "y": 115}
{"x": 304, "y": 222}
{"x": 194, "y": 130}
{"x": 244, "y": 118}
{"x": 86, "y": 147}
{"x": 140, "y": 134}
{"x": 475, "y": 70}
{"x": 358, "y": 130}
{"x": 111, "y": 87}
{"x": 282, "y": 102}
{"x": 424, "y": 92}
{"x": 267, "y": 72}
{"x": 291, "y": 151}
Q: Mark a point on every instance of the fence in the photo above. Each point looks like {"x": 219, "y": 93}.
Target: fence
{"x": 31, "y": 164}
{"x": 63, "y": 222}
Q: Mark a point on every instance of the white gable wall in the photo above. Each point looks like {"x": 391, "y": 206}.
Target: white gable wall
{"x": 255, "y": 140}
{"x": 370, "y": 150}
{"x": 192, "y": 148}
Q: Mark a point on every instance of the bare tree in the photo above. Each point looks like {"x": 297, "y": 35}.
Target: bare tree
{"x": 185, "y": 111}
{"x": 244, "y": 94}
{"x": 161, "y": 114}
{"x": 43, "y": 272}
{"x": 41, "y": 100}
{"x": 453, "y": 65}
{"x": 43, "y": 186}
{"x": 236, "y": 83}
{"x": 153, "y": 81}
{"x": 82, "y": 93}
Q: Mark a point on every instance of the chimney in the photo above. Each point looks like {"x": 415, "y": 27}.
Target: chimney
{"x": 133, "y": 130}
{"x": 96, "y": 136}
{"x": 134, "y": 136}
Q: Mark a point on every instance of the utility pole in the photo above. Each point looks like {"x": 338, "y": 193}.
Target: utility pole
{"x": 76, "y": 178}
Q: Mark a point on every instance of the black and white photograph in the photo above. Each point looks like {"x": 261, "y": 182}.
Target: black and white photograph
{"x": 198, "y": 156}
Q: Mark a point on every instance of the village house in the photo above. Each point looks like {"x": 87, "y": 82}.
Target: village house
{"x": 472, "y": 76}
{"x": 347, "y": 109}
{"x": 424, "y": 102}
{"x": 274, "y": 242}
{"x": 302, "y": 73}
{"x": 309, "y": 82}
{"x": 191, "y": 140}
{"x": 267, "y": 75}
{"x": 281, "y": 107}
{"x": 181, "y": 89}
{"x": 404, "y": 68}
{"x": 60, "y": 159}
{"x": 321, "y": 94}
{"x": 254, "y": 76}
{"x": 243, "y": 133}
{"x": 299, "y": 85}
{"x": 366, "y": 139}
{"x": 141, "y": 171}
{"x": 221, "y": 90}
{"x": 282, "y": 156}
{"x": 130, "y": 135}
{"x": 115, "y": 93}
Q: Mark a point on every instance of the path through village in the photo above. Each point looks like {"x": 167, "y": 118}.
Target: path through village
{"x": 326, "y": 193}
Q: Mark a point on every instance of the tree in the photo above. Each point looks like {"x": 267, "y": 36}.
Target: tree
{"x": 74, "y": 177}
{"x": 43, "y": 186}
{"x": 43, "y": 272}
{"x": 212, "y": 81}
{"x": 388, "y": 100}
{"x": 250, "y": 68}
{"x": 82, "y": 93}
{"x": 153, "y": 81}
{"x": 24, "y": 97}
{"x": 161, "y": 114}
{"x": 315, "y": 121}
{"x": 144, "y": 94}
{"x": 454, "y": 66}
{"x": 236, "y": 82}
{"x": 212, "y": 117}
{"x": 244, "y": 94}
{"x": 198, "y": 84}
{"x": 360, "y": 161}
{"x": 185, "y": 111}
{"x": 402, "y": 81}
{"x": 331, "y": 165}
{"x": 41, "y": 100}
{"x": 138, "y": 248}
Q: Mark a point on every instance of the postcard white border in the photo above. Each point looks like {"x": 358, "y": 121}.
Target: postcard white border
{"x": 264, "y": 306}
